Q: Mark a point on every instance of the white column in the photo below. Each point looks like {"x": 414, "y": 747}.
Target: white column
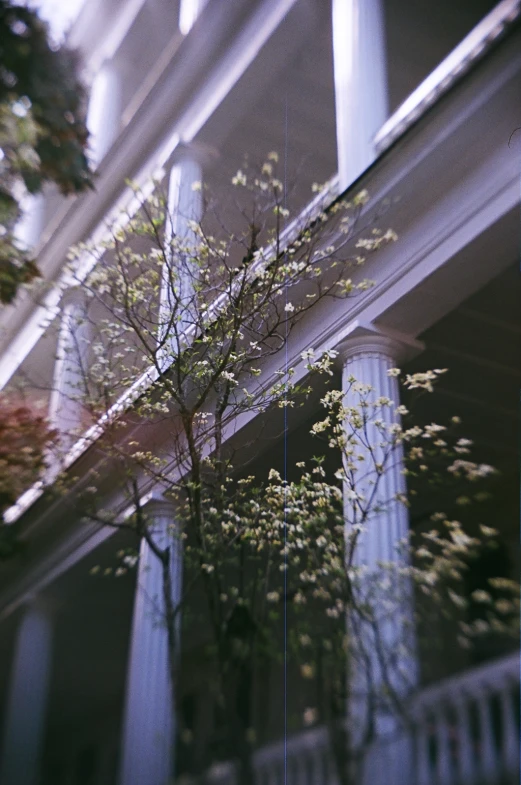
{"x": 386, "y": 649}
{"x": 189, "y": 10}
{"x": 368, "y": 359}
{"x": 184, "y": 197}
{"x": 24, "y": 722}
{"x": 104, "y": 113}
{"x": 66, "y": 407}
{"x": 184, "y": 205}
{"x": 148, "y": 729}
{"x": 360, "y": 83}
{"x": 29, "y": 227}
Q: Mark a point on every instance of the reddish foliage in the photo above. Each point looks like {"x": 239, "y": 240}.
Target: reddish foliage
{"x": 24, "y": 436}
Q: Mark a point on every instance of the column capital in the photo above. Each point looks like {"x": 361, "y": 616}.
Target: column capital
{"x": 363, "y": 338}
{"x": 157, "y": 504}
{"x": 38, "y": 603}
{"x": 73, "y": 295}
{"x": 196, "y": 152}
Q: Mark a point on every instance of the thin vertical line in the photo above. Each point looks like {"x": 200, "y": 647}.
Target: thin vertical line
{"x": 286, "y": 368}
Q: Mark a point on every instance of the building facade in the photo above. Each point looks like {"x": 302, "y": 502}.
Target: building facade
{"x": 419, "y": 104}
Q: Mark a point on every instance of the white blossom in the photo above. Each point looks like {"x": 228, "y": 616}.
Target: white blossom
{"x": 310, "y": 716}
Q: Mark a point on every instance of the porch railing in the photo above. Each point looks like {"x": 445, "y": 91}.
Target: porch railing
{"x": 452, "y": 68}
{"x": 467, "y": 727}
{"x": 465, "y": 732}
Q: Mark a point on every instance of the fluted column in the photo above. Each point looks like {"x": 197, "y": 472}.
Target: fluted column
{"x": 148, "y": 730}
{"x": 384, "y": 649}
{"x": 184, "y": 207}
{"x": 104, "y": 113}
{"x": 360, "y": 76}
{"x": 66, "y": 407}
{"x": 24, "y": 722}
{"x": 367, "y": 359}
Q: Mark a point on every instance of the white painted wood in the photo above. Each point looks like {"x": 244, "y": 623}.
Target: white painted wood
{"x": 429, "y": 709}
{"x": 148, "y": 730}
{"x": 444, "y": 773}
{"x": 29, "y": 227}
{"x": 66, "y": 401}
{"x": 422, "y": 763}
{"x": 184, "y": 207}
{"x": 104, "y": 114}
{"x": 488, "y": 763}
{"x": 482, "y": 212}
{"x": 471, "y": 681}
{"x": 27, "y": 700}
{"x": 510, "y": 740}
{"x": 367, "y": 356}
{"x": 188, "y": 12}
{"x": 474, "y": 45}
{"x": 360, "y": 83}
{"x": 466, "y": 754}
{"x": 481, "y": 764}
{"x": 114, "y": 36}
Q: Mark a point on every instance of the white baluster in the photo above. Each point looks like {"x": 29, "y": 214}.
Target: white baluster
{"x": 510, "y": 740}
{"x": 443, "y": 763}
{"x": 466, "y": 767}
{"x": 422, "y": 764}
{"x": 488, "y": 761}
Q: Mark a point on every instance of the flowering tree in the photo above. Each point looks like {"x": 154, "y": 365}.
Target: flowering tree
{"x": 370, "y": 665}
{"x": 292, "y": 548}
{"x": 195, "y": 311}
